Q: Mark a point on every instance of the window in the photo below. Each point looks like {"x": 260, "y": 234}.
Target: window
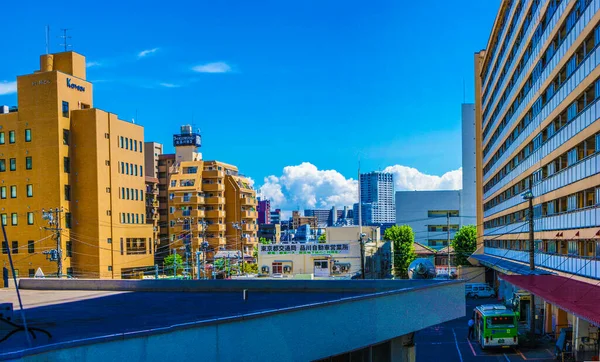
{"x": 121, "y": 141}
{"x": 126, "y": 143}
{"x": 67, "y": 192}
{"x": 277, "y": 268}
{"x": 67, "y": 165}
{"x": 123, "y": 193}
{"x": 13, "y": 192}
{"x": 69, "y": 248}
{"x": 108, "y": 213}
{"x": 15, "y": 247}
{"x": 109, "y": 268}
{"x": 13, "y": 164}
{"x": 14, "y": 219}
{"x": 27, "y": 135}
{"x": 28, "y": 163}
{"x": 108, "y": 190}
{"x": 4, "y": 219}
{"x": 30, "y": 218}
{"x": 137, "y": 218}
{"x": 31, "y": 246}
{"x": 127, "y": 193}
{"x": 109, "y": 240}
{"x": 68, "y": 220}
{"x": 122, "y": 167}
{"x": 107, "y": 163}
{"x": 134, "y": 170}
{"x": 128, "y": 218}
{"x": 66, "y": 137}
{"x": 31, "y": 273}
{"x": 3, "y": 192}
{"x": 1, "y": 138}
{"x": 140, "y": 146}
{"x": 11, "y": 136}
{"x": 2, "y": 165}
{"x": 127, "y": 169}
{"x": 65, "y": 109}
{"x": 4, "y": 247}
{"x": 29, "y": 191}
{"x": 135, "y": 146}
{"x": 141, "y": 170}
{"x": 136, "y": 194}
{"x": 122, "y": 218}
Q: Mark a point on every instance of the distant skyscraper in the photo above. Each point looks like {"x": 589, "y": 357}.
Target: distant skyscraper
{"x": 264, "y": 211}
{"x": 377, "y": 198}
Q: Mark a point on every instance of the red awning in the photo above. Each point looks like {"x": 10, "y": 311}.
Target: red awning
{"x": 573, "y": 296}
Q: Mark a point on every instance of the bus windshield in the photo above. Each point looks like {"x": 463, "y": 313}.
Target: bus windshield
{"x": 501, "y": 321}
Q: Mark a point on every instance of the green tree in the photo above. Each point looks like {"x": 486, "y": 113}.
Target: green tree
{"x": 251, "y": 268}
{"x": 264, "y": 241}
{"x": 322, "y": 238}
{"x": 464, "y": 244}
{"x": 403, "y": 248}
{"x": 173, "y": 259}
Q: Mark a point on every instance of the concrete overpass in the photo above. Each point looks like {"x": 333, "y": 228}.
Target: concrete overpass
{"x": 291, "y": 320}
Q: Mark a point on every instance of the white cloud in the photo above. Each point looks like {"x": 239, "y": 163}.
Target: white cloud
{"x": 93, "y": 64}
{"x": 306, "y": 187}
{"x": 146, "y": 52}
{"x": 7, "y": 87}
{"x": 217, "y": 67}
{"x": 170, "y": 85}
{"x": 408, "y": 178}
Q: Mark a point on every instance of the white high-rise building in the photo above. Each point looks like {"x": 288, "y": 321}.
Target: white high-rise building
{"x": 377, "y": 197}
{"x": 468, "y": 206}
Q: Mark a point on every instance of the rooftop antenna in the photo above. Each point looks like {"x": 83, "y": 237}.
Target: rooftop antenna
{"x": 65, "y": 39}
{"x": 47, "y": 39}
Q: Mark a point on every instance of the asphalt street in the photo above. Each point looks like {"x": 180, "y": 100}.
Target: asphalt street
{"x": 448, "y": 342}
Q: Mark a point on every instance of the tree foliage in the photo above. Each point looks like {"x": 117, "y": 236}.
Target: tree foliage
{"x": 464, "y": 244}
{"x": 322, "y": 238}
{"x": 264, "y": 241}
{"x": 173, "y": 259}
{"x": 403, "y": 248}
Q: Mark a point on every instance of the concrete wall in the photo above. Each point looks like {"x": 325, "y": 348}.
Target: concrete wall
{"x": 412, "y": 209}
{"x": 295, "y": 334}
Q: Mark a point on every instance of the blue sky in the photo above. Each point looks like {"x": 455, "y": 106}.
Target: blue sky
{"x": 302, "y": 81}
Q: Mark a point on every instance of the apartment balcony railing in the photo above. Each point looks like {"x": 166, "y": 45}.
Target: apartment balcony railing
{"x": 585, "y": 266}
{"x": 213, "y": 187}
{"x": 214, "y": 200}
{"x": 213, "y": 174}
{"x": 215, "y": 213}
{"x": 198, "y": 213}
{"x": 250, "y": 201}
{"x": 249, "y": 214}
{"x": 249, "y": 227}
{"x": 215, "y": 227}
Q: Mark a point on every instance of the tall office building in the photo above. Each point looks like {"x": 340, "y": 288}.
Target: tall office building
{"x": 264, "y": 211}
{"x": 58, "y": 152}
{"x": 206, "y": 201}
{"x": 468, "y": 199}
{"x": 536, "y": 91}
{"x": 377, "y": 198}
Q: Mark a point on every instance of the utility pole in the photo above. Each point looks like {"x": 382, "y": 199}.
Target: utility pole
{"x": 362, "y": 255}
{"x": 53, "y": 217}
{"x": 174, "y": 263}
{"x": 529, "y": 197}
{"x": 197, "y": 265}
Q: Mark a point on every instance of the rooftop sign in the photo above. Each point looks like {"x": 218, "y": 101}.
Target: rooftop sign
{"x": 75, "y": 86}
{"x": 296, "y": 248}
{"x": 192, "y": 139}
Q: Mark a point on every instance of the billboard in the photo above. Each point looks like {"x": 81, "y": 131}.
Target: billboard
{"x": 299, "y": 248}
{"x": 192, "y": 139}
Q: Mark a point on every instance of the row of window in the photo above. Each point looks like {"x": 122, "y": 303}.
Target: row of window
{"x": 536, "y": 37}
{"x": 590, "y": 248}
{"x": 517, "y": 42}
{"x": 584, "y": 149}
{"x": 12, "y": 137}
{"x": 585, "y": 99}
{"x": 536, "y": 72}
{"x": 437, "y": 242}
{"x": 131, "y": 218}
{"x": 131, "y": 169}
{"x": 127, "y": 193}
{"x": 13, "y": 164}
{"x": 13, "y": 191}
{"x": 573, "y": 202}
{"x": 442, "y": 213}
{"x": 14, "y": 219}
{"x": 582, "y": 52}
{"x": 130, "y": 144}
{"x": 31, "y": 248}
{"x": 453, "y": 227}
{"x": 494, "y": 43}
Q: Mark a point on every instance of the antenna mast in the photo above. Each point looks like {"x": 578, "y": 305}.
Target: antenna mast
{"x": 65, "y": 39}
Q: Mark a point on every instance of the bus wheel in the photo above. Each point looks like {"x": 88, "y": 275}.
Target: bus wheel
{"x": 475, "y": 296}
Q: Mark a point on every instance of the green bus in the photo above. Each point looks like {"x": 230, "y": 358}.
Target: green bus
{"x": 495, "y": 326}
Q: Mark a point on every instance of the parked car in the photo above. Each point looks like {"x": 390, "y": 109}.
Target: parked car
{"x": 479, "y": 290}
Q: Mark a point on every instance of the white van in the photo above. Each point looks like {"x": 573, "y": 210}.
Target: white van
{"x": 479, "y": 290}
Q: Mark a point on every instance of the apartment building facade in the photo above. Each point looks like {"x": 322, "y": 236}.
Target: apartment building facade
{"x": 58, "y": 152}
{"x": 537, "y": 128}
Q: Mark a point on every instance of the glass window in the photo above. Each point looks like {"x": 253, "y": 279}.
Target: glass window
{"x": 67, "y": 165}
{"x": 3, "y": 192}
{"x": 121, "y": 141}
{"x": 4, "y": 219}
{"x": 15, "y": 247}
{"x": 13, "y": 164}
{"x": 28, "y": 163}
{"x": 1, "y": 138}
{"x": 66, "y": 136}
{"x": 4, "y": 247}
{"x": 31, "y": 246}
{"x": 135, "y": 146}
{"x": 27, "y": 135}
{"x": 65, "y": 109}
{"x": 2, "y": 165}
{"x": 11, "y": 136}
{"x": 30, "y": 218}
{"x": 14, "y": 219}
{"x": 13, "y": 192}
{"x": 29, "y": 190}
{"x": 68, "y": 192}
{"x": 140, "y": 146}
{"x": 68, "y": 220}
{"x": 141, "y": 170}
{"x": 69, "y": 248}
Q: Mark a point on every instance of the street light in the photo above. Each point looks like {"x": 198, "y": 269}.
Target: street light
{"x": 362, "y": 254}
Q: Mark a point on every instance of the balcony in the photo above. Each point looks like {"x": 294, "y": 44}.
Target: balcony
{"x": 211, "y": 214}
{"x": 213, "y": 187}
{"x": 216, "y": 241}
{"x": 248, "y": 201}
{"x": 214, "y": 200}
{"x": 215, "y": 227}
{"x": 249, "y": 214}
{"x": 585, "y": 266}
{"x": 251, "y": 240}
{"x": 213, "y": 174}
{"x": 198, "y": 214}
{"x": 249, "y": 227}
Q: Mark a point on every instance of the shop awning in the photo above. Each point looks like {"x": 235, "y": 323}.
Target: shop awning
{"x": 576, "y": 297}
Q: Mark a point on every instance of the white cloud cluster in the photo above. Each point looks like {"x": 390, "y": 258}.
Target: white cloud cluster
{"x": 93, "y": 64}
{"x": 217, "y": 67}
{"x": 147, "y": 52}
{"x": 170, "y": 85}
{"x": 306, "y": 187}
{"x": 7, "y": 87}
